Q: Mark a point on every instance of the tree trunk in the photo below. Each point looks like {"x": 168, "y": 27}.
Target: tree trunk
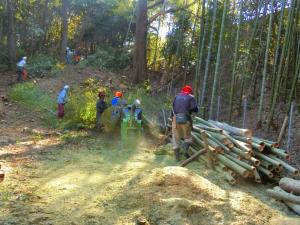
{"x": 201, "y": 42}
{"x": 64, "y": 30}
{"x": 237, "y": 39}
{"x": 11, "y": 39}
{"x": 216, "y": 75}
{"x": 262, "y": 90}
{"x": 44, "y": 26}
{"x": 140, "y": 58}
{"x": 209, "y": 53}
{"x": 278, "y": 77}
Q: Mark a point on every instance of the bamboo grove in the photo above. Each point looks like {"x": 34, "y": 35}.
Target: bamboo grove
{"x": 229, "y": 50}
{"x": 235, "y": 50}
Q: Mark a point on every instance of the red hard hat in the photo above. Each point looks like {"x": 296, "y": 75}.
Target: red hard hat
{"x": 187, "y": 89}
{"x": 118, "y": 94}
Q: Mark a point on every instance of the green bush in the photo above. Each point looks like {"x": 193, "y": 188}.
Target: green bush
{"x": 108, "y": 59}
{"x": 32, "y": 97}
{"x": 40, "y": 64}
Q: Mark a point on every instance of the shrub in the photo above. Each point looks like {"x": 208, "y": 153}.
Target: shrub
{"x": 108, "y": 59}
{"x": 40, "y": 64}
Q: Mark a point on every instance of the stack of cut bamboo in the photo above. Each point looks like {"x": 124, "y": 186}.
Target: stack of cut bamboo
{"x": 237, "y": 153}
{"x": 288, "y": 192}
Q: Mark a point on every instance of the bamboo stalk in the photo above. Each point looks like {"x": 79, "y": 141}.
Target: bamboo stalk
{"x": 241, "y": 163}
{"x": 193, "y": 157}
{"x": 255, "y": 161}
{"x": 265, "y": 171}
{"x": 232, "y": 165}
{"x": 289, "y": 168}
{"x": 246, "y": 155}
{"x": 256, "y": 177}
{"x": 279, "y": 152}
{"x": 267, "y": 158}
{"x": 282, "y": 195}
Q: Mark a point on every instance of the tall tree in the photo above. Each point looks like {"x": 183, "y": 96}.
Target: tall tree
{"x": 139, "y": 57}
{"x": 209, "y": 52}
{"x": 235, "y": 54}
{"x": 218, "y": 60}
{"x": 262, "y": 90}
{"x": 11, "y": 39}
{"x": 64, "y": 28}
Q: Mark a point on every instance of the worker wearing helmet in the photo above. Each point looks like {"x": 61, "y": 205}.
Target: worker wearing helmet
{"x": 100, "y": 107}
{"x": 68, "y": 55}
{"x": 117, "y": 103}
{"x": 62, "y": 99}
{"x": 183, "y": 105}
{"x": 21, "y": 71}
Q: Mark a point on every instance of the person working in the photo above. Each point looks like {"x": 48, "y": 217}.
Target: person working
{"x": 100, "y": 107}
{"x": 21, "y": 71}
{"x": 117, "y": 103}
{"x": 62, "y": 99}
{"x": 183, "y": 105}
{"x": 68, "y": 55}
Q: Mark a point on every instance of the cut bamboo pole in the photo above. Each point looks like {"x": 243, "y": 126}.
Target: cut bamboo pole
{"x": 242, "y": 138}
{"x": 241, "y": 163}
{"x": 232, "y": 165}
{"x": 232, "y": 130}
{"x": 280, "y": 194}
{"x": 282, "y": 130}
{"x": 200, "y": 127}
{"x": 289, "y": 168}
{"x": 246, "y": 155}
{"x": 256, "y": 177}
{"x": 193, "y": 157}
{"x": 279, "y": 152}
{"x": 265, "y": 171}
{"x": 266, "y": 158}
{"x": 290, "y": 185}
{"x": 209, "y": 153}
{"x": 230, "y": 179}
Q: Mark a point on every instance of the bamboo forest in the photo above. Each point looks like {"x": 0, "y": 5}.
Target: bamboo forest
{"x": 149, "y": 112}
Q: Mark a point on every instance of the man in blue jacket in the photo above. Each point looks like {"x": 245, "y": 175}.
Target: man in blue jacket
{"x": 62, "y": 99}
{"x": 184, "y": 105}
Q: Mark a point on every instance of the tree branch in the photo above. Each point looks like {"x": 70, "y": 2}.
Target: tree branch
{"x": 155, "y": 4}
{"x": 152, "y": 18}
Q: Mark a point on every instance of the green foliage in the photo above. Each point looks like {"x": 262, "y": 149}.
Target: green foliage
{"x": 32, "y": 97}
{"x": 108, "y": 58}
{"x": 40, "y": 64}
{"x": 81, "y": 108}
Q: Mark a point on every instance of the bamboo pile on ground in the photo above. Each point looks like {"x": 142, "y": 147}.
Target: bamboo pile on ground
{"x": 237, "y": 153}
{"x": 288, "y": 191}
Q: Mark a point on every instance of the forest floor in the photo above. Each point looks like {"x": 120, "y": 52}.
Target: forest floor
{"x": 85, "y": 177}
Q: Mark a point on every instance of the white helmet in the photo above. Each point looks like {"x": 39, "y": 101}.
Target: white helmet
{"x": 24, "y": 58}
{"x": 66, "y": 87}
{"x": 137, "y": 102}
{"x": 67, "y": 48}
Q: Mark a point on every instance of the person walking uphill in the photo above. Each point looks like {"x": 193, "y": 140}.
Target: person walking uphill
{"x": 21, "y": 71}
{"x": 101, "y": 106}
{"x": 62, "y": 99}
{"x": 184, "y": 105}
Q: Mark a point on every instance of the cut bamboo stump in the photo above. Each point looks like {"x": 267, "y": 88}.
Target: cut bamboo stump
{"x": 2, "y": 175}
{"x": 290, "y": 185}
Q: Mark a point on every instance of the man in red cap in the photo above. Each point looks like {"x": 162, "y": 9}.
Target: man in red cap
{"x": 183, "y": 105}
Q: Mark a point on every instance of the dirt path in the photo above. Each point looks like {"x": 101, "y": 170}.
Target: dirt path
{"x": 83, "y": 177}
